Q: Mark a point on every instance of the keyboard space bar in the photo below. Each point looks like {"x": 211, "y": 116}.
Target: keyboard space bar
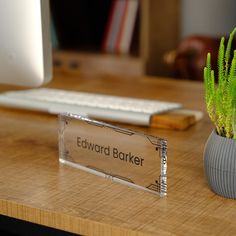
{"x": 129, "y": 117}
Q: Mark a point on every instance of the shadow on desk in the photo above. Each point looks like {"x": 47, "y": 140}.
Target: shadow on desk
{"x": 14, "y": 227}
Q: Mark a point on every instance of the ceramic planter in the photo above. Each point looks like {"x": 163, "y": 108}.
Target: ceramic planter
{"x": 220, "y": 165}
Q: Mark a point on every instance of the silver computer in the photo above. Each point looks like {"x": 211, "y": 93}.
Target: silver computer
{"x": 25, "y": 46}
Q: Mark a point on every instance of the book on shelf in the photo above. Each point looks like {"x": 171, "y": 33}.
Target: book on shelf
{"x": 113, "y": 25}
{"x": 127, "y": 29}
{"x": 120, "y": 26}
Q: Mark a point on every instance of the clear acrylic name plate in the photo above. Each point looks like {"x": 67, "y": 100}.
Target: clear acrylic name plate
{"x": 115, "y": 153}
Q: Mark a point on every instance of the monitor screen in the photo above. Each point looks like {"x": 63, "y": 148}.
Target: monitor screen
{"x": 25, "y": 45}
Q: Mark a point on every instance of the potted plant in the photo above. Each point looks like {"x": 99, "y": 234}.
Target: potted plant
{"x": 220, "y": 149}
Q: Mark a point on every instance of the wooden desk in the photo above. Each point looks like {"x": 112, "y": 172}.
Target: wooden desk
{"x": 36, "y": 188}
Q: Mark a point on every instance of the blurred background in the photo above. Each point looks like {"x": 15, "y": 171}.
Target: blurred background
{"x": 139, "y": 37}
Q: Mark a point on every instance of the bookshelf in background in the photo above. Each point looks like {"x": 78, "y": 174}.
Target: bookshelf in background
{"x": 115, "y": 35}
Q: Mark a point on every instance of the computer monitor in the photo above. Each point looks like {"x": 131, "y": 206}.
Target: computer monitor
{"x": 25, "y": 45}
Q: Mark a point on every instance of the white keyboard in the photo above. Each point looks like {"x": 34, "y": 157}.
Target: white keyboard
{"x": 122, "y": 109}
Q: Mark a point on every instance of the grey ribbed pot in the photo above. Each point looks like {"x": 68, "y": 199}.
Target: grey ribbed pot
{"x": 220, "y": 165}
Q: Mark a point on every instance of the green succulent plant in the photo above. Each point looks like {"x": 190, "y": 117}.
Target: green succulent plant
{"x": 221, "y": 97}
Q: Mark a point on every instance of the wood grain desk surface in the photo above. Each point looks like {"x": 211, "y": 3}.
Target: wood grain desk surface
{"x": 36, "y": 188}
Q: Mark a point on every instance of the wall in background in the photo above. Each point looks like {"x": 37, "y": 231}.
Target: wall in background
{"x": 208, "y": 17}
